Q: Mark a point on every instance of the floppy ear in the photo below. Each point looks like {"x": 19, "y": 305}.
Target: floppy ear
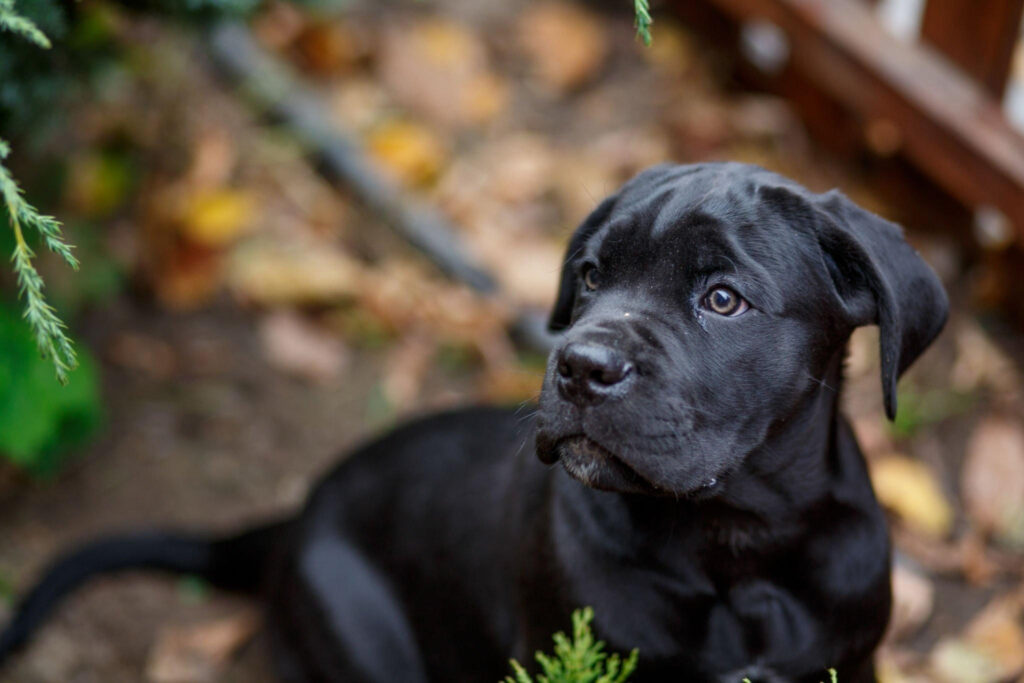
{"x": 561, "y": 314}
{"x": 881, "y": 279}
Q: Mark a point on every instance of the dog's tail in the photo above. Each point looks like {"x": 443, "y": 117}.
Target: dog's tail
{"x": 234, "y": 563}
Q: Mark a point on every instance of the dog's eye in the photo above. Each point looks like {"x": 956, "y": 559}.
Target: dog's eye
{"x": 591, "y": 276}
{"x": 724, "y": 301}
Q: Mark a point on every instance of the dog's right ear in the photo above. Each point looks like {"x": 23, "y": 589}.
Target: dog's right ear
{"x": 561, "y": 314}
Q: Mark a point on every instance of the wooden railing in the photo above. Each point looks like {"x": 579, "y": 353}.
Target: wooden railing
{"x": 934, "y": 102}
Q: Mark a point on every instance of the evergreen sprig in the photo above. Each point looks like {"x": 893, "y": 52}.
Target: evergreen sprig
{"x": 643, "y": 21}
{"x": 48, "y": 329}
{"x": 581, "y": 660}
{"x": 23, "y": 26}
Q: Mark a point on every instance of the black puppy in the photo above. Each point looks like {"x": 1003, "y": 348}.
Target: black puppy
{"x": 712, "y": 504}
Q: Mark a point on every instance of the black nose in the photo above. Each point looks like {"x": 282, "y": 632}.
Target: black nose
{"x": 587, "y": 373}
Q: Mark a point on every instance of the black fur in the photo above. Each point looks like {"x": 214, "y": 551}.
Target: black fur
{"x": 727, "y": 527}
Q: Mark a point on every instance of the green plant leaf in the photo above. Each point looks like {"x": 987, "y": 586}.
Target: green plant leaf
{"x": 39, "y": 419}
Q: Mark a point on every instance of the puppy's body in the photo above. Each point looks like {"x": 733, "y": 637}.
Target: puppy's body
{"x": 443, "y": 550}
{"x": 712, "y": 505}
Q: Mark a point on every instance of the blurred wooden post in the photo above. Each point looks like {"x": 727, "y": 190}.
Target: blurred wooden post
{"x": 978, "y": 36}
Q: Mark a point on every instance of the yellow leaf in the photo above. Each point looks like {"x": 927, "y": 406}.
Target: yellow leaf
{"x": 411, "y": 152}
{"x": 216, "y": 218}
{"x": 908, "y": 488}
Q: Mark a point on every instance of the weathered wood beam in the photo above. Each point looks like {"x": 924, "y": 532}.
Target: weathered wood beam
{"x": 977, "y": 37}
{"x": 945, "y": 123}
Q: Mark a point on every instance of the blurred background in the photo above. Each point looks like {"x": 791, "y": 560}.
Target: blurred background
{"x": 300, "y": 222}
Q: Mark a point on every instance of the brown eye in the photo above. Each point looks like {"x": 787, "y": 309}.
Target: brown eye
{"x": 724, "y": 301}
{"x": 591, "y": 277}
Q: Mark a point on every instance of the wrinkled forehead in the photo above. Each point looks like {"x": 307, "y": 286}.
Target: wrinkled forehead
{"x": 719, "y": 206}
{"x": 709, "y": 218}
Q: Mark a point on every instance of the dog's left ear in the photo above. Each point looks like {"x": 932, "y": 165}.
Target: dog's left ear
{"x": 879, "y": 278}
{"x": 561, "y": 314}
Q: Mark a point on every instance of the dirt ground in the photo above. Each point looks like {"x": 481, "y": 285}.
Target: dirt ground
{"x": 231, "y": 379}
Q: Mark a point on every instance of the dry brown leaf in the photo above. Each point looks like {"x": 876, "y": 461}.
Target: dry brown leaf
{"x": 992, "y": 479}
{"x": 357, "y": 104}
{"x": 278, "y": 25}
{"x": 296, "y": 346}
{"x": 980, "y": 363}
{"x": 990, "y": 650}
{"x": 331, "y": 47}
{"x": 909, "y": 488}
{"x": 872, "y": 435}
{"x": 509, "y": 384}
{"x": 441, "y": 69}
{"x": 913, "y": 599}
{"x": 275, "y": 273}
{"x": 411, "y": 153}
{"x": 192, "y": 654}
{"x": 406, "y": 369}
{"x": 564, "y": 42}
{"x": 214, "y": 157}
{"x": 404, "y": 295}
{"x": 189, "y": 277}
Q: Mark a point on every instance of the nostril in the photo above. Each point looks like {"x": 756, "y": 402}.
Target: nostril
{"x": 611, "y": 374}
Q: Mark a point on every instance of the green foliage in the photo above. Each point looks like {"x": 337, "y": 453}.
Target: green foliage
{"x": 582, "y": 660}
{"x": 643, "y": 21}
{"x": 918, "y": 410}
{"x": 38, "y": 418}
{"x": 48, "y": 329}
{"x": 21, "y": 25}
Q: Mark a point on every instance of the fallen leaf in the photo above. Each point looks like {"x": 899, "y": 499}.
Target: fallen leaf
{"x": 188, "y": 277}
{"x": 991, "y": 648}
{"x": 980, "y": 363}
{"x": 913, "y": 599}
{"x": 406, "y": 368}
{"x": 331, "y": 47}
{"x": 275, "y": 273}
{"x": 909, "y": 488}
{"x": 992, "y": 479}
{"x": 511, "y": 385}
{"x": 278, "y": 25}
{"x": 441, "y": 69}
{"x": 216, "y": 218}
{"x": 565, "y": 43}
{"x": 296, "y": 346}
{"x": 411, "y": 153}
{"x": 199, "y": 652}
{"x": 358, "y": 104}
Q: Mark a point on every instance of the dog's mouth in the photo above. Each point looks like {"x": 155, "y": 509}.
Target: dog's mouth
{"x": 595, "y": 466}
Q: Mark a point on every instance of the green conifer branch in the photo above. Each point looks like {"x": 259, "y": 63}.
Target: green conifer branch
{"x": 643, "y": 21}
{"x": 16, "y": 23}
{"x": 581, "y": 660}
{"x": 48, "y": 329}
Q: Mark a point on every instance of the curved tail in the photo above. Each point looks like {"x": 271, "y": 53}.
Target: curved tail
{"x": 233, "y": 563}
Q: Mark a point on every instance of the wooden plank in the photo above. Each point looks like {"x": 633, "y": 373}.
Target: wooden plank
{"x": 949, "y": 126}
{"x": 978, "y": 37}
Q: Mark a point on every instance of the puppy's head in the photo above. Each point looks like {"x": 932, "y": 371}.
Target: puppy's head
{"x": 701, "y": 307}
